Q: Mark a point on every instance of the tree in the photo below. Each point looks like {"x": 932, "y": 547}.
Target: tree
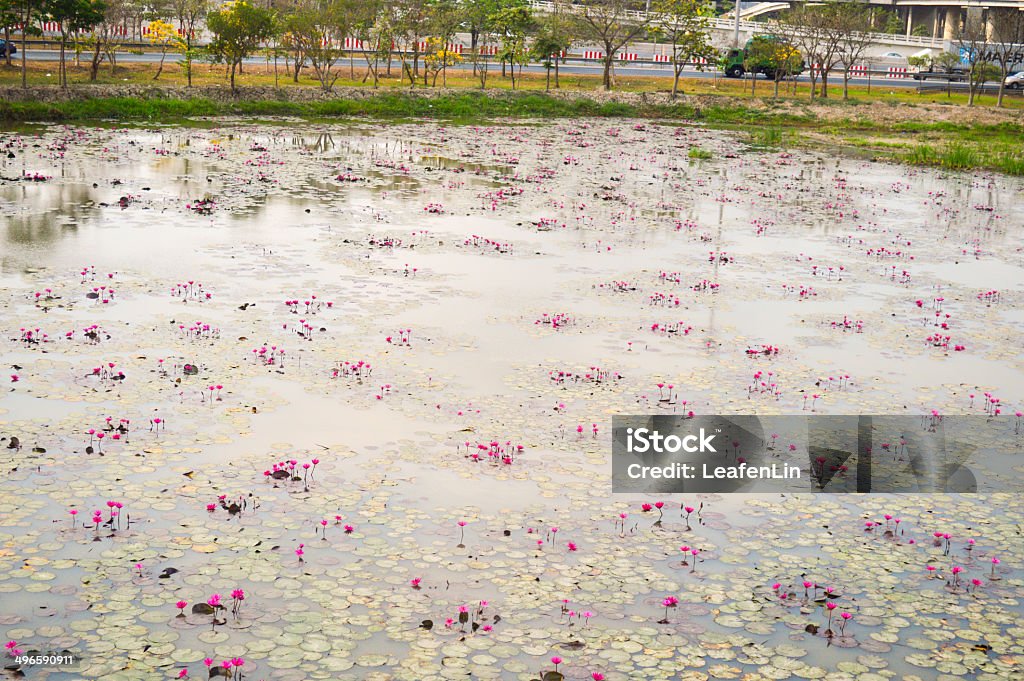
{"x": 292, "y": 46}
{"x": 476, "y": 16}
{"x": 189, "y": 14}
{"x": 833, "y": 27}
{"x": 511, "y": 25}
{"x": 445, "y": 19}
{"x": 26, "y": 13}
{"x": 238, "y": 29}
{"x": 773, "y": 56}
{"x": 437, "y": 59}
{"x": 554, "y": 36}
{"x": 946, "y": 61}
{"x": 164, "y": 36}
{"x": 71, "y": 16}
{"x": 482, "y": 41}
{"x": 983, "y": 72}
{"x": 816, "y": 31}
{"x": 1007, "y": 37}
{"x": 972, "y": 38}
{"x": 317, "y": 29}
{"x": 919, "y": 62}
{"x": 8, "y": 18}
{"x": 686, "y": 24}
{"x": 855, "y": 38}
{"x": 105, "y": 37}
{"x": 613, "y": 24}
{"x": 412, "y": 21}
{"x": 380, "y": 32}
{"x": 789, "y": 63}
{"x": 759, "y": 53}
{"x": 369, "y": 25}
{"x": 891, "y": 23}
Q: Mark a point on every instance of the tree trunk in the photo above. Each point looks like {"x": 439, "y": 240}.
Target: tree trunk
{"x": 233, "y": 75}
{"x": 298, "y": 66}
{"x": 160, "y": 68}
{"x": 63, "y": 75}
{"x": 606, "y": 78}
{"x": 824, "y": 82}
{"x": 24, "y": 64}
{"x": 556, "y": 74}
{"x": 677, "y": 70}
{"x": 846, "y": 84}
{"x": 7, "y": 40}
{"x": 1002, "y": 89}
{"x": 474, "y": 37}
{"x": 753, "y": 82}
{"x": 94, "y": 67}
{"x": 547, "y": 80}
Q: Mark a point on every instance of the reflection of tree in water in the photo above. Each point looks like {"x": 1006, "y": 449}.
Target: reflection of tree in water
{"x": 42, "y": 211}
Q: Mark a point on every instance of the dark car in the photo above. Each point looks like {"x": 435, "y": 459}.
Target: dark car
{"x": 7, "y": 48}
{"x": 954, "y": 74}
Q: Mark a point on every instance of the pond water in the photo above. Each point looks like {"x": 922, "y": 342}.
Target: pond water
{"x": 396, "y": 303}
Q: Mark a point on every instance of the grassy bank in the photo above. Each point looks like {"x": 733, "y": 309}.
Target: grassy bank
{"x": 891, "y": 131}
{"x": 387, "y": 105}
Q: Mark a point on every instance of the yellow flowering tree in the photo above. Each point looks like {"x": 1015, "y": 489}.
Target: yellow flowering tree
{"x": 438, "y": 59}
{"x": 164, "y": 36}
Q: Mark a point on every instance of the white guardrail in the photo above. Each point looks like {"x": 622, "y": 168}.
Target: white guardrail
{"x": 745, "y": 26}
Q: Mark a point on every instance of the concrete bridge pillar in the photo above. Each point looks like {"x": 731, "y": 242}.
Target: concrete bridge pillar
{"x": 952, "y": 23}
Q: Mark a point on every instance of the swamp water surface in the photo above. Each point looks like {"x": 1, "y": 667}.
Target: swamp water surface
{"x": 445, "y": 319}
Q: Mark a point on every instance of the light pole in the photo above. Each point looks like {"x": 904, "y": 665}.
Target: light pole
{"x": 736, "y": 26}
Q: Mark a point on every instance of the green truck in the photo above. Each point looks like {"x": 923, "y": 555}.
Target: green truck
{"x": 765, "y": 54}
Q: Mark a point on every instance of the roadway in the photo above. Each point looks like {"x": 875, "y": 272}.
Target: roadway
{"x": 573, "y": 67}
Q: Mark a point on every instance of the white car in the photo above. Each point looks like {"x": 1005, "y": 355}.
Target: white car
{"x": 891, "y": 58}
{"x": 1015, "y": 81}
